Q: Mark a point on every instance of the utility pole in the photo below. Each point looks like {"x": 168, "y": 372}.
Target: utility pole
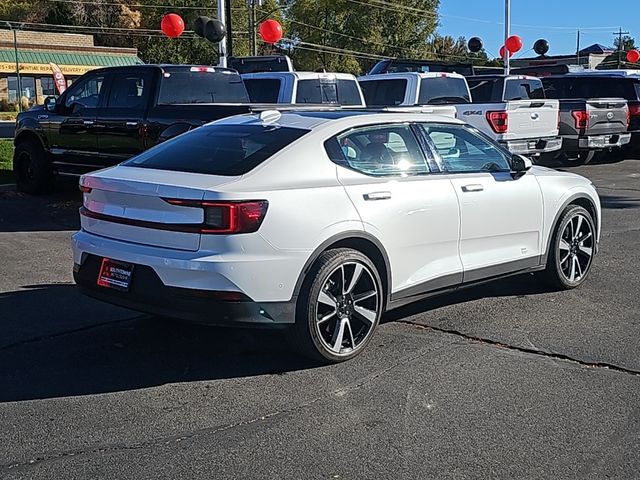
{"x": 507, "y": 33}
{"x": 222, "y": 46}
{"x": 253, "y": 39}
{"x": 578, "y": 48}
{"x": 620, "y": 33}
{"x": 15, "y": 49}
{"x": 228, "y": 27}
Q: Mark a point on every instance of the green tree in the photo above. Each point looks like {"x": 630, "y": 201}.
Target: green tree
{"x": 619, "y": 57}
{"x": 350, "y": 35}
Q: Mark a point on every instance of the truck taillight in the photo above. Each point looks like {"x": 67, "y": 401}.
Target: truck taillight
{"x": 227, "y": 218}
{"x": 498, "y": 121}
{"x": 634, "y": 110}
{"x": 581, "y": 118}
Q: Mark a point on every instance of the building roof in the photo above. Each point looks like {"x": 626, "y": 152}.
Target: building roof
{"x": 598, "y": 49}
{"x": 68, "y": 58}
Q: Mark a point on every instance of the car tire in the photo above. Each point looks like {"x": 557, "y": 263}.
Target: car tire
{"x": 571, "y": 249}
{"x": 32, "y": 170}
{"x": 339, "y": 307}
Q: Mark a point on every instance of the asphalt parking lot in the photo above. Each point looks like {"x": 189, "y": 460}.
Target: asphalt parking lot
{"x": 508, "y": 380}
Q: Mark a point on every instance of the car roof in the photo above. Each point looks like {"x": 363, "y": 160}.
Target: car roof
{"x": 498, "y": 75}
{"x": 422, "y": 75}
{"x": 300, "y": 75}
{"x": 345, "y": 118}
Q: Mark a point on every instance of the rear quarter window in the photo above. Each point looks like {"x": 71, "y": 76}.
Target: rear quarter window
{"x": 384, "y": 93}
{"x": 443, "y": 90}
{"x": 263, "y": 90}
{"x": 226, "y": 150}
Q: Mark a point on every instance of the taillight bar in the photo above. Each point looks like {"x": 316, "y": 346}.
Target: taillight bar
{"x": 581, "y": 118}
{"x": 227, "y": 217}
{"x": 498, "y": 121}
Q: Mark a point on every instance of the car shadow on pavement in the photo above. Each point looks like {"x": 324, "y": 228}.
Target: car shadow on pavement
{"x": 46, "y": 354}
{"x": 616, "y": 202}
{"x": 58, "y": 211}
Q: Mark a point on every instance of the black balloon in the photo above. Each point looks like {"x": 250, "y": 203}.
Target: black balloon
{"x": 210, "y": 28}
{"x": 475, "y": 44}
{"x": 541, "y": 46}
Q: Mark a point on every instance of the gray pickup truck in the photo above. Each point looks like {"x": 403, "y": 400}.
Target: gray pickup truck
{"x": 588, "y": 123}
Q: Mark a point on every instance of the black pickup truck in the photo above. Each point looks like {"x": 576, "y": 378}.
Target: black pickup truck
{"x": 111, "y": 114}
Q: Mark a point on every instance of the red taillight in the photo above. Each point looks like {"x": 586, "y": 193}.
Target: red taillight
{"x": 499, "y": 121}
{"x": 85, "y": 189}
{"x": 227, "y": 217}
{"x": 581, "y": 118}
{"x": 634, "y": 110}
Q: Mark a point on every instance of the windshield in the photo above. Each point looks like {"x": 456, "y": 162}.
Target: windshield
{"x": 202, "y": 86}
{"x": 227, "y": 150}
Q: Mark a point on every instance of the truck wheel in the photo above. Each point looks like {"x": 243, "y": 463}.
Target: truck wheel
{"x": 339, "y": 307}
{"x": 32, "y": 169}
{"x": 582, "y": 157}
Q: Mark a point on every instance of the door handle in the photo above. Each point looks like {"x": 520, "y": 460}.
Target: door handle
{"x": 132, "y": 124}
{"x": 373, "y": 196}
{"x": 88, "y": 122}
{"x": 472, "y": 188}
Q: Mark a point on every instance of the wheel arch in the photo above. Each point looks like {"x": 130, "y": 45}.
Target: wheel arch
{"x": 357, "y": 240}
{"x": 580, "y": 199}
{"x": 29, "y": 136}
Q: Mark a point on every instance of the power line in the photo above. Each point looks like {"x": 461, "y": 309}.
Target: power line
{"x": 138, "y": 5}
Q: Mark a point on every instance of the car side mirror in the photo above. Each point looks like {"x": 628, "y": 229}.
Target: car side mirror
{"x": 50, "y": 104}
{"x": 520, "y": 164}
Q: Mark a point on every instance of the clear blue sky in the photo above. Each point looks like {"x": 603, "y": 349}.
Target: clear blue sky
{"x": 555, "y": 20}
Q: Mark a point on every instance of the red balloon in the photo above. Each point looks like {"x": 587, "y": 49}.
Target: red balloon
{"x": 172, "y": 25}
{"x": 502, "y": 52}
{"x": 270, "y": 31}
{"x": 514, "y": 43}
{"x": 633, "y": 56}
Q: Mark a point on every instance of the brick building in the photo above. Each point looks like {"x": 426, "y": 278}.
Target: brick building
{"x": 75, "y": 54}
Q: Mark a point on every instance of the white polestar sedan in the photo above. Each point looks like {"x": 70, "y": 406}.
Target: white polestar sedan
{"x": 321, "y": 221}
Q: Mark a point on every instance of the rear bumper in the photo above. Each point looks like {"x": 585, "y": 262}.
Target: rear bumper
{"x": 148, "y": 294}
{"x": 532, "y": 146}
{"x": 596, "y": 142}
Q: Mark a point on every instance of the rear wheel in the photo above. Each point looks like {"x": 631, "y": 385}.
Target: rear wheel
{"x": 339, "y": 308}
{"x": 32, "y": 169}
{"x": 571, "y": 249}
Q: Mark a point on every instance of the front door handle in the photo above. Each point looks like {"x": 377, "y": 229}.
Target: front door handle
{"x": 472, "y": 188}
{"x": 373, "y": 196}
{"x": 88, "y": 122}
{"x": 132, "y": 124}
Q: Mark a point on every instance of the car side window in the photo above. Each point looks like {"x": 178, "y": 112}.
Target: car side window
{"x": 462, "y": 150}
{"x": 389, "y": 150}
{"x": 85, "y": 92}
{"x": 129, "y": 91}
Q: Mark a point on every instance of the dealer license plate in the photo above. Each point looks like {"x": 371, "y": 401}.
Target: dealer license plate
{"x": 115, "y": 274}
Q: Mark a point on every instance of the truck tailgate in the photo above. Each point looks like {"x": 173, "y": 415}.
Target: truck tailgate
{"x": 606, "y": 116}
{"x": 532, "y": 119}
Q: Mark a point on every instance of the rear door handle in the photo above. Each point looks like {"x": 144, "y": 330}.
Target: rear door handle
{"x": 472, "y": 188}
{"x": 373, "y": 196}
{"x": 88, "y": 122}
{"x": 132, "y": 124}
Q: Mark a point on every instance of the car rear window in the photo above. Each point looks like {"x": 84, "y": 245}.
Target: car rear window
{"x": 384, "y": 93}
{"x": 226, "y": 150}
{"x": 263, "y": 90}
{"x": 589, "y": 87}
{"x": 443, "y": 90}
{"x": 348, "y": 92}
{"x": 201, "y": 86}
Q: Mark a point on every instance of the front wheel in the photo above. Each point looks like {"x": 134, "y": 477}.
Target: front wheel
{"x": 32, "y": 170}
{"x": 339, "y": 308}
{"x": 571, "y": 249}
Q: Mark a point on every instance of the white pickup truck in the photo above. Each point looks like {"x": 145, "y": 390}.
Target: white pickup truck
{"x": 296, "y": 88}
{"x": 434, "y": 93}
{"x": 513, "y": 110}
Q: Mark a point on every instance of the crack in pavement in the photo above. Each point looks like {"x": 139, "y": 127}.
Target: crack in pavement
{"x": 532, "y": 351}
{"x": 115, "y": 447}
{"x": 68, "y": 332}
